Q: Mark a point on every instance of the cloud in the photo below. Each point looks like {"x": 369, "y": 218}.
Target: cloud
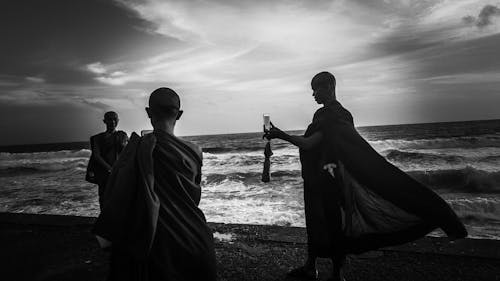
{"x": 107, "y": 76}
{"x": 485, "y": 17}
{"x": 54, "y": 39}
{"x": 469, "y": 20}
{"x": 222, "y": 54}
{"x": 230, "y": 42}
{"x": 486, "y": 14}
{"x": 467, "y": 78}
{"x": 35, "y": 79}
{"x": 97, "y": 104}
{"x": 96, "y": 67}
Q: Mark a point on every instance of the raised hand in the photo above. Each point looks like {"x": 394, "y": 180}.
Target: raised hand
{"x": 273, "y": 133}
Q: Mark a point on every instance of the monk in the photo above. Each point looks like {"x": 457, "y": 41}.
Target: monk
{"x": 356, "y": 201}
{"x": 105, "y": 147}
{"x": 151, "y": 219}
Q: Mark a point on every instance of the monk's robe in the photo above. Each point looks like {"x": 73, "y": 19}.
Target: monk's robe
{"x": 110, "y": 146}
{"x": 321, "y": 202}
{"x": 151, "y": 213}
{"x": 380, "y": 204}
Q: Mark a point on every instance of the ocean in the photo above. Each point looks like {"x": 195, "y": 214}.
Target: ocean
{"x": 458, "y": 160}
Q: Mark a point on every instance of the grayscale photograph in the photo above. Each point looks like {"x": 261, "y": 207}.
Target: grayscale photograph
{"x": 250, "y": 140}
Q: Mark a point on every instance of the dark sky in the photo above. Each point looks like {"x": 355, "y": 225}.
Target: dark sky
{"x": 64, "y": 63}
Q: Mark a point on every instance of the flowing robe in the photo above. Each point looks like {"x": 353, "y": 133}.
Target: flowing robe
{"x": 321, "y": 202}
{"x": 381, "y": 205}
{"x": 151, "y": 213}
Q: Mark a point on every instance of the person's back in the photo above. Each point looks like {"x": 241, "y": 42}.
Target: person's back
{"x": 183, "y": 247}
{"x": 151, "y": 214}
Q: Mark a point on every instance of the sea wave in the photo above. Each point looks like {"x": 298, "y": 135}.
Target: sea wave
{"x": 400, "y": 156}
{"x": 477, "y": 210}
{"x": 488, "y": 140}
{"x": 247, "y": 177}
{"x": 41, "y": 166}
{"x": 464, "y": 180}
{"x": 254, "y": 147}
{"x": 82, "y": 153}
{"x": 468, "y": 180}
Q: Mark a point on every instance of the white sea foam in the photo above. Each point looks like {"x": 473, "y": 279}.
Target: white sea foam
{"x": 225, "y": 237}
{"x": 465, "y": 170}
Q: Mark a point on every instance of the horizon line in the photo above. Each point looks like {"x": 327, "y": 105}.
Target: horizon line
{"x": 253, "y": 132}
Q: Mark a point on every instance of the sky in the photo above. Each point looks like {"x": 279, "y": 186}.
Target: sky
{"x": 64, "y": 63}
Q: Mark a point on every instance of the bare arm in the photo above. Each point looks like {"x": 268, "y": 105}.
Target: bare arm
{"x": 299, "y": 141}
{"x": 305, "y": 143}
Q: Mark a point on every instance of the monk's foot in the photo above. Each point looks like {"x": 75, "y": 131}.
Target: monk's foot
{"x": 304, "y": 273}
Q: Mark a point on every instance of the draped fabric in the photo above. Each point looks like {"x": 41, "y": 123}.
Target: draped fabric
{"x": 381, "y": 205}
{"x": 151, "y": 213}
{"x": 110, "y": 146}
{"x": 321, "y": 202}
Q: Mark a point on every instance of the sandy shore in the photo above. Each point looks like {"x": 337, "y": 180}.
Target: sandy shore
{"x": 42, "y": 247}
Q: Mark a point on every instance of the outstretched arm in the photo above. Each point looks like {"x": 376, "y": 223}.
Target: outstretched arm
{"x": 299, "y": 141}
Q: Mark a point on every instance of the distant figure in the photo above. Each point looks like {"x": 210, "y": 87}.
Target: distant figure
{"x": 151, "y": 217}
{"x": 345, "y": 179}
{"x": 105, "y": 148}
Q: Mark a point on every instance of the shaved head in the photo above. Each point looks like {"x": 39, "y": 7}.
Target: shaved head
{"x": 110, "y": 115}
{"x": 323, "y": 86}
{"x": 164, "y": 103}
{"x": 324, "y": 79}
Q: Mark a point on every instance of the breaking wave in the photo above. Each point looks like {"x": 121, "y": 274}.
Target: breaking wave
{"x": 468, "y": 180}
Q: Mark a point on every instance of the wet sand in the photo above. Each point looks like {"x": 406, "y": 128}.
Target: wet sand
{"x": 43, "y": 247}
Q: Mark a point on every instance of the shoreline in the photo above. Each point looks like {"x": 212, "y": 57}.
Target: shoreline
{"x": 54, "y": 247}
{"x": 471, "y": 247}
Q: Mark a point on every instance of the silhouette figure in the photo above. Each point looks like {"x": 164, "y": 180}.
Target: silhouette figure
{"x": 105, "y": 147}
{"x": 355, "y": 200}
{"x": 151, "y": 217}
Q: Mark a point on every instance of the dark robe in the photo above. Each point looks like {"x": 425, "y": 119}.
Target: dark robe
{"x": 151, "y": 213}
{"x": 321, "y": 202}
{"x": 381, "y": 205}
{"x": 110, "y": 146}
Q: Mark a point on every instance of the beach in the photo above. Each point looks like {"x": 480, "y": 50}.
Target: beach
{"x": 53, "y": 247}
{"x": 47, "y": 209}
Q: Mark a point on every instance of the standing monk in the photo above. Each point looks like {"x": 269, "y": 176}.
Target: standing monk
{"x": 105, "y": 147}
{"x": 151, "y": 217}
{"x": 356, "y": 201}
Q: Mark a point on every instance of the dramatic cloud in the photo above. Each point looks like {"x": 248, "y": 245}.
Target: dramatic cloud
{"x": 233, "y": 60}
{"x": 485, "y": 17}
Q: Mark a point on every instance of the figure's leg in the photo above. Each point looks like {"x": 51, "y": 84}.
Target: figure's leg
{"x": 337, "y": 268}
{"x": 338, "y": 256}
{"x": 100, "y": 194}
{"x": 101, "y": 184}
{"x": 310, "y": 263}
{"x": 308, "y": 270}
